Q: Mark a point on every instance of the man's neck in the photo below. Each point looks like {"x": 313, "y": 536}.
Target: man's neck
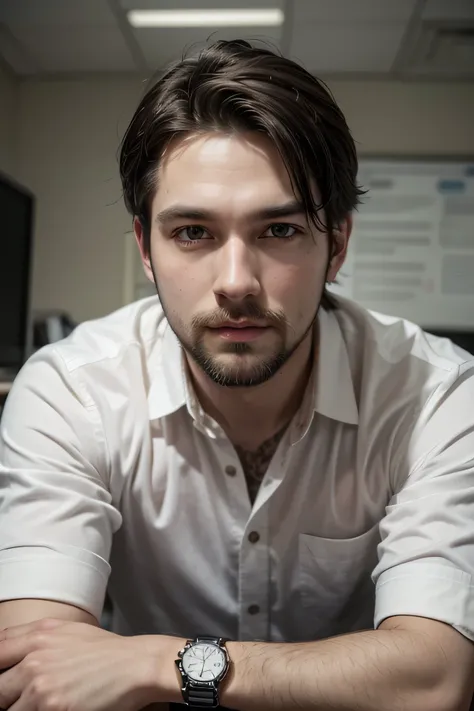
{"x": 250, "y": 416}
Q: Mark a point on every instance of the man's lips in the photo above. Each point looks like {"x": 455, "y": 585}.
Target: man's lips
{"x": 238, "y": 331}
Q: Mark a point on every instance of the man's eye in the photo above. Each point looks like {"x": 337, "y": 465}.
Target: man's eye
{"x": 281, "y": 230}
{"x": 192, "y": 233}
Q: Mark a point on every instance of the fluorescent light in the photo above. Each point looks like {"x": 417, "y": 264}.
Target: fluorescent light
{"x": 206, "y": 18}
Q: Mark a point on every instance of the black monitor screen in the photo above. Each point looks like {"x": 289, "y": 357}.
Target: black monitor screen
{"x": 16, "y": 213}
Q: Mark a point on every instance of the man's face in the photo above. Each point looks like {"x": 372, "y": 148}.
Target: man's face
{"x": 239, "y": 270}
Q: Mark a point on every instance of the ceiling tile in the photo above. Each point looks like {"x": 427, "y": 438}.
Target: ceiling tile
{"x": 344, "y": 48}
{"x": 98, "y": 49}
{"x": 197, "y": 4}
{"x": 327, "y": 36}
{"x": 56, "y": 12}
{"x": 14, "y": 54}
{"x": 365, "y": 11}
{"x": 160, "y": 47}
{"x": 437, "y": 10}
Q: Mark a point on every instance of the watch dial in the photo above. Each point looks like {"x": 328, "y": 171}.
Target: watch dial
{"x": 204, "y": 661}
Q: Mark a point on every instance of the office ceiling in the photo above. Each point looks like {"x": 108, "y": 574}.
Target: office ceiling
{"x": 350, "y": 38}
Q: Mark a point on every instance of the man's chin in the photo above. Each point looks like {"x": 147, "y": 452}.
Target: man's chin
{"x": 239, "y": 370}
{"x": 238, "y": 379}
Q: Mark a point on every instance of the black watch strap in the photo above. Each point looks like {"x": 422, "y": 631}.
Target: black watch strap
{"x": 200, "y": 697}
{"x": 212, "y": 640}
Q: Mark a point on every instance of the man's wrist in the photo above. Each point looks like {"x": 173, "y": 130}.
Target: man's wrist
{"x": 244, "y": 657}
{"x": 156, "y": 679}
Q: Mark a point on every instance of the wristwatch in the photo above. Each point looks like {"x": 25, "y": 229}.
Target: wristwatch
{"x": 202, "y": 663}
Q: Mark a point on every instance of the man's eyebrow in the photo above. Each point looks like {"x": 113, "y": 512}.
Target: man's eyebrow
{"x": 186, "y": 212}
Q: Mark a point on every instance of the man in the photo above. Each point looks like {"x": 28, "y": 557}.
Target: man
{"x": 251, "y": 458}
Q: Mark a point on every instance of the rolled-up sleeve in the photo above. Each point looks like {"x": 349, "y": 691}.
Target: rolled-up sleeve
{"x": 426, "y": 555}
{"x": 56, "y": 515}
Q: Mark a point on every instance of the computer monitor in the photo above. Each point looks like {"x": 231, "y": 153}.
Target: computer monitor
{"x": 16, "y": 236}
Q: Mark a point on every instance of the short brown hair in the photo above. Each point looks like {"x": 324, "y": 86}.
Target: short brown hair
{"x": 232, "y": 86}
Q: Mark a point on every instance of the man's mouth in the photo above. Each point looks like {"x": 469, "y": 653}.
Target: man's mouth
{"x": 239, "y": 331}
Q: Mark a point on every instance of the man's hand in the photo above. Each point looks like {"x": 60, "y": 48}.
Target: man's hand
{"x": 57, "y": 666}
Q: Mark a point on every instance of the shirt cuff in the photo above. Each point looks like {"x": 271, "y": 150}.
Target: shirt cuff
{"x": 438, "y": 592}
{"x": 43, "y": 573}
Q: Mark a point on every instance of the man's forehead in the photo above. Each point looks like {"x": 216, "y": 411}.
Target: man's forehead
{"x": 224, "y": 152}
{"x": 243, "y": 170}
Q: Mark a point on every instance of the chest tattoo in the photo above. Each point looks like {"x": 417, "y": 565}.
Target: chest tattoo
{"x": 255, "y": 463}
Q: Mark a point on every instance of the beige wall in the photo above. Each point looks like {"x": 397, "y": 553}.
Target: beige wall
{"x": 69, "y": 132}
{"x": 8, "y": 121}
{"x": 409, "y": 118}
{"x": 69, "y": 135}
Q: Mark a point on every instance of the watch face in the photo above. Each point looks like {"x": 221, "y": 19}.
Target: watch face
{"x": 204, "y": 661}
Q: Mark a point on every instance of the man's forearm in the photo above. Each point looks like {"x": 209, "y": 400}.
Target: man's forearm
{"x": 383, "y": 670}
{"x": 410, "y": 664}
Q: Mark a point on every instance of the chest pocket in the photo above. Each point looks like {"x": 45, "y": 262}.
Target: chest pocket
{"x": 336, "y": 592}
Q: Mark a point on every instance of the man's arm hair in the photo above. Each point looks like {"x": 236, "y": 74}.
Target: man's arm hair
{"x": 21, "y": 612}
{"x": 409, "y": 663}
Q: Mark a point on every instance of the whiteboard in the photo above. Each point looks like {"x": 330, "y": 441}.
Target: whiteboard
{"x": 411, "y": 253}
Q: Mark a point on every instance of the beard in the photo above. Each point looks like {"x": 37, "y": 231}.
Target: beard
{"x": 247, "y": 367}
{"x": 236, "y": 365}
{"x": 240, "y": 373}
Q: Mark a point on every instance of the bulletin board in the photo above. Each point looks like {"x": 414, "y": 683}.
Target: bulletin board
{"x": 412, "y": 249}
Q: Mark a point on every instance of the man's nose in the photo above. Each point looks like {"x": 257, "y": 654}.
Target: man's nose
{"x": 237, "y": 271}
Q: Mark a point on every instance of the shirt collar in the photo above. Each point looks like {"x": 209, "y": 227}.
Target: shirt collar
{"x": 333, "y": 388}
{"x": 168, "y": 378}
{"x": 331, "y": 392}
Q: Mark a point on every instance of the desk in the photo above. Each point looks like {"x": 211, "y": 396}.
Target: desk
{"x": 5, "y": 388}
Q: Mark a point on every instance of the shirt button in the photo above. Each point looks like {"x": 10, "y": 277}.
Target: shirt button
{"x": 254, "y": 537}
{"x": 253, "y": 610}
{"x": 230, "y": 471}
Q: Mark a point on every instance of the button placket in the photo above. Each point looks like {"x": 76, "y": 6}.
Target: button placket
{"x": 234, "y": 481}
{"x": 253, "y": 580}
{"x": 232, "y": 472}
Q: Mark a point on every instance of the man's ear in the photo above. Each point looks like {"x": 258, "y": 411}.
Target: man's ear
{"x": 340, "y": 243}
{"x": 145, "y": 248}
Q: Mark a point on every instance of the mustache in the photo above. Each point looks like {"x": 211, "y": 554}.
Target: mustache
{"x": 250, "y": 311}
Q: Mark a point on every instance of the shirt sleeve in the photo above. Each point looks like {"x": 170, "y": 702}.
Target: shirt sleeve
{"x": 56, "y": 515}
{"x": 426, "y": 556}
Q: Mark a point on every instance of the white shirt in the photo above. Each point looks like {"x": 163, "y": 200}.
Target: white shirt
{"x": 107, "y": 462}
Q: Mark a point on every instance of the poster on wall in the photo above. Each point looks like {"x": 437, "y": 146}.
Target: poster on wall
{"x": 412, "y": 248}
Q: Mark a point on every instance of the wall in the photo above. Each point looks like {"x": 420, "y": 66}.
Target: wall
{"x": 409, "y": 118}
{"x": 69, "y": 132}
{"x": 8, "y": 121}
{"x": 69, "y": 135}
